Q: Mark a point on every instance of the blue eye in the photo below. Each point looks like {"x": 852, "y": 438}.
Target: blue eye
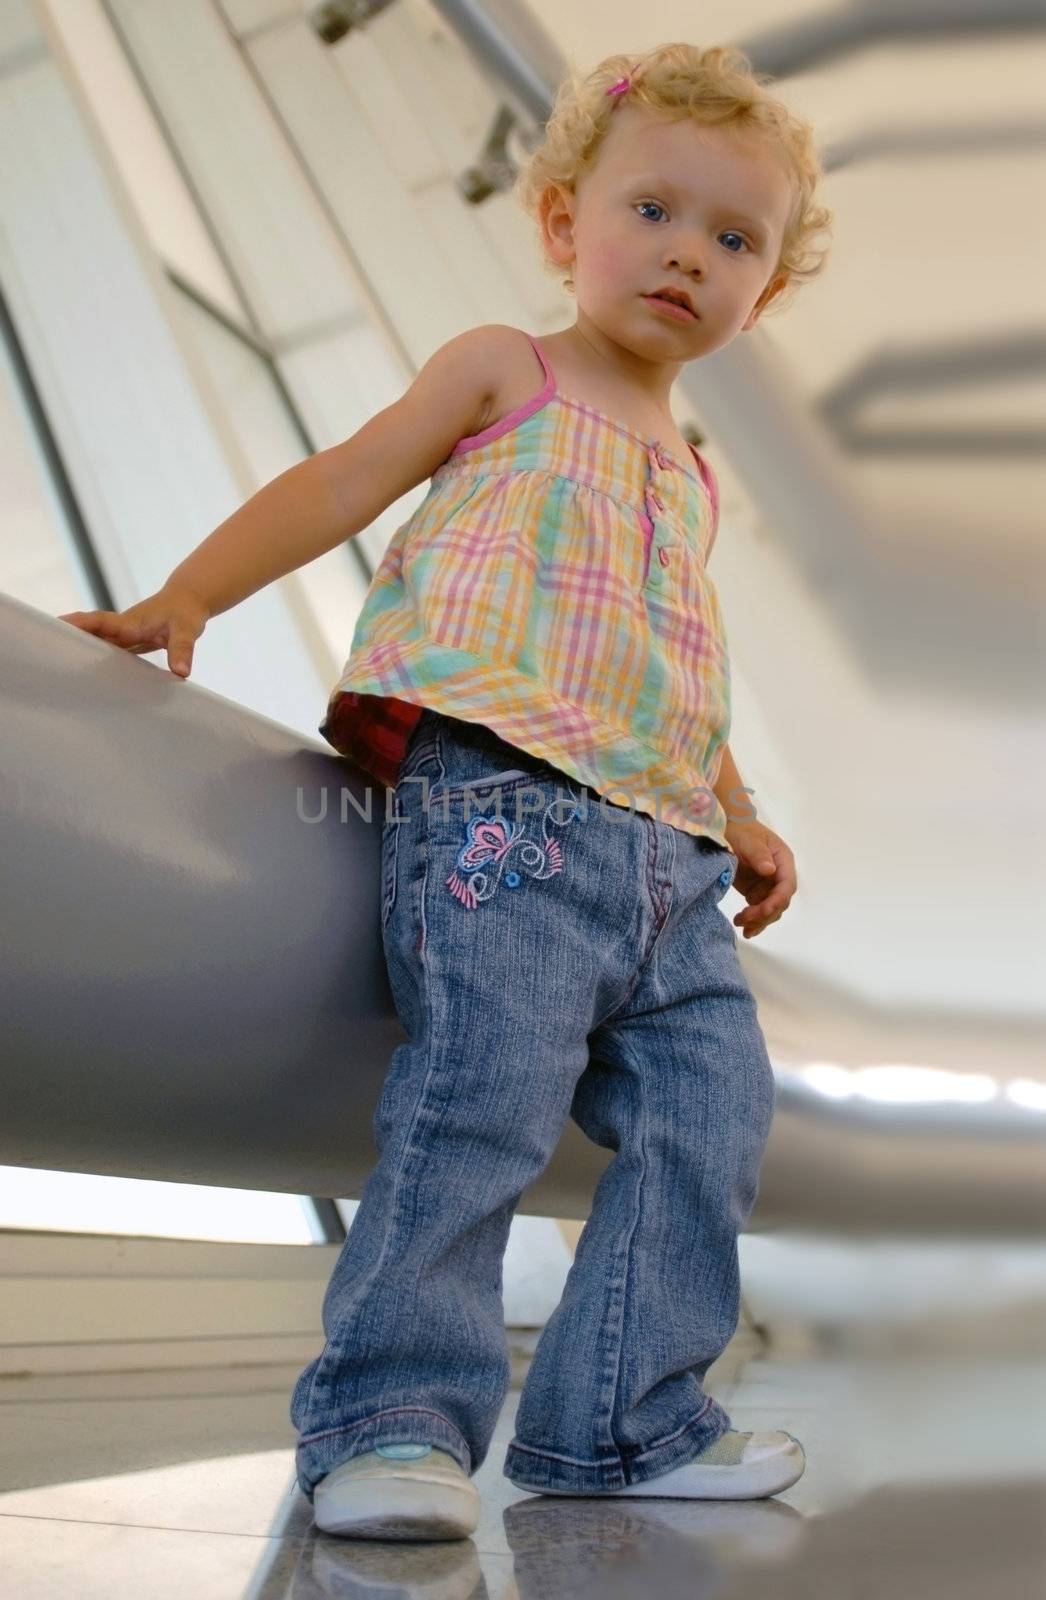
{"x": 731, "y": 235}
{"x": 656, "y": 206}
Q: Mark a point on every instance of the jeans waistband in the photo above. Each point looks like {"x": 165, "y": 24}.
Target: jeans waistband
{"x": 434, "y": 728}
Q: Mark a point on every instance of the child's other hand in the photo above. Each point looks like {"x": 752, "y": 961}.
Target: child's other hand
{"x": 765, "y": 875}
{"x": 171, "y": 619}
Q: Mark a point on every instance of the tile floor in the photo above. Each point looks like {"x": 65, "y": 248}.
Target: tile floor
{"x": 926, "y": 1479}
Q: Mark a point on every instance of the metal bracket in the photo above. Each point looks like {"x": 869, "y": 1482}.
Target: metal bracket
{"x": 495, "y": 171}
{"x": 333, "y": 19}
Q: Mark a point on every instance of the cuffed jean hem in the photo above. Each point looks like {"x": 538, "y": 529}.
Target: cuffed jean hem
{"x": 319, "y": 1453}
{"x": 546, "y": 1473}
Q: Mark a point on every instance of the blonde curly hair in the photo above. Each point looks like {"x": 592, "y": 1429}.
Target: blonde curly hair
{"x": 715, "y": 87}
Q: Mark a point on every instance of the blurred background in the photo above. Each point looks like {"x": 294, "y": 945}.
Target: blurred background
{"x": 231, "y": 231}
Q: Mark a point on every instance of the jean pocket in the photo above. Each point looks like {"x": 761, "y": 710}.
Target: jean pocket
{"x": 459, "y": 755}
{"x": 497, "y": 793}
{"x": 482, "y": 784}
{"x": 506, "y": 845}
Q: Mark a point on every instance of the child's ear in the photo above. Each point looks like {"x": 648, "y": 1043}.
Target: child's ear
{"x": 557, "y": 224}
{"x": 772, "y": 290}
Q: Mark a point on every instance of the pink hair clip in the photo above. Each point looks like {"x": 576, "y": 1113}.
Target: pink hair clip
{"x": 622, "y": 86}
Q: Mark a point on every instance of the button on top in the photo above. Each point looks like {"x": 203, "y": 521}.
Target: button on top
{"x": 724, "y": 877}
{"x": 655, "y": 507}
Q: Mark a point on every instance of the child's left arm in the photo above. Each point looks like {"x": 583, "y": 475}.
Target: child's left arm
{"x": 765, "y": 865}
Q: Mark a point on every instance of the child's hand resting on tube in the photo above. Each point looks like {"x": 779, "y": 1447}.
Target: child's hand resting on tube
{"x": 171, "y": 619}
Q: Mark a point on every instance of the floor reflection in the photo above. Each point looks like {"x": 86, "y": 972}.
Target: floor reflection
{"x": 925, "y": 1479}
{"x": 985, "y": 1540}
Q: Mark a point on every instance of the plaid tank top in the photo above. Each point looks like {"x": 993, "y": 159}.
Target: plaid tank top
{"x": 552, "y": 586}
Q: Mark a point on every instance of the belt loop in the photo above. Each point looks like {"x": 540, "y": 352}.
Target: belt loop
{"x": 421, "y": 743}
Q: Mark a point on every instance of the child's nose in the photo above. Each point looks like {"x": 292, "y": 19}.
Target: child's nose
{"x": 689, "y": 256}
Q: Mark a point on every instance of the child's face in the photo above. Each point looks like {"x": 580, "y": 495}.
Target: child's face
{"x": 677, "y": 204}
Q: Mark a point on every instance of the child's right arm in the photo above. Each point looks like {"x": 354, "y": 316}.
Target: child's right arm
{"x": 316, "y": 504}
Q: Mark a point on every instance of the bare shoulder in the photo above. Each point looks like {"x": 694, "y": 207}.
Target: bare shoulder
{"x": 454, "y": 395}
{"x": 513, "y": 369}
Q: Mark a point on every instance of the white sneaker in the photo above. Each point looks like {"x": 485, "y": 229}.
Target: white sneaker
{"x": 398, "y": 1491}
{"x": 738, "y": 1466}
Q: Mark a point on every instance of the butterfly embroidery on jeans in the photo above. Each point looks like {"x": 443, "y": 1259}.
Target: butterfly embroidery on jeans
{"x": 489, "y": 841}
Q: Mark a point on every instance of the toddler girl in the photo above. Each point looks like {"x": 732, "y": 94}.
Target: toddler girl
{"x": 540, "y": 674}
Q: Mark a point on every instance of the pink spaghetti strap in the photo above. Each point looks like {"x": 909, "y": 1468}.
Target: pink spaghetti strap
{"x": 550, "y": 377}
{"x": 514, "y": 418}
{"x": 710, "y": 480}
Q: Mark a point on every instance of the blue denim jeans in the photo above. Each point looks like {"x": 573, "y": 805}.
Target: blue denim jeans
{"x": 567, "y": 958}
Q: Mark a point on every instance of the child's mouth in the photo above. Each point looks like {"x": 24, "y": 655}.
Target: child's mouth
{"x": 672, "y": 308}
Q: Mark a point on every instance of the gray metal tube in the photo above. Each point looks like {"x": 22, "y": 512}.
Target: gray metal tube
{"x": 192, "y": 984}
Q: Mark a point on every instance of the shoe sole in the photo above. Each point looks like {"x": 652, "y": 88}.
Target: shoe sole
{"x": 747, "y": 1480}
{"x": 407, "y": 1509}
